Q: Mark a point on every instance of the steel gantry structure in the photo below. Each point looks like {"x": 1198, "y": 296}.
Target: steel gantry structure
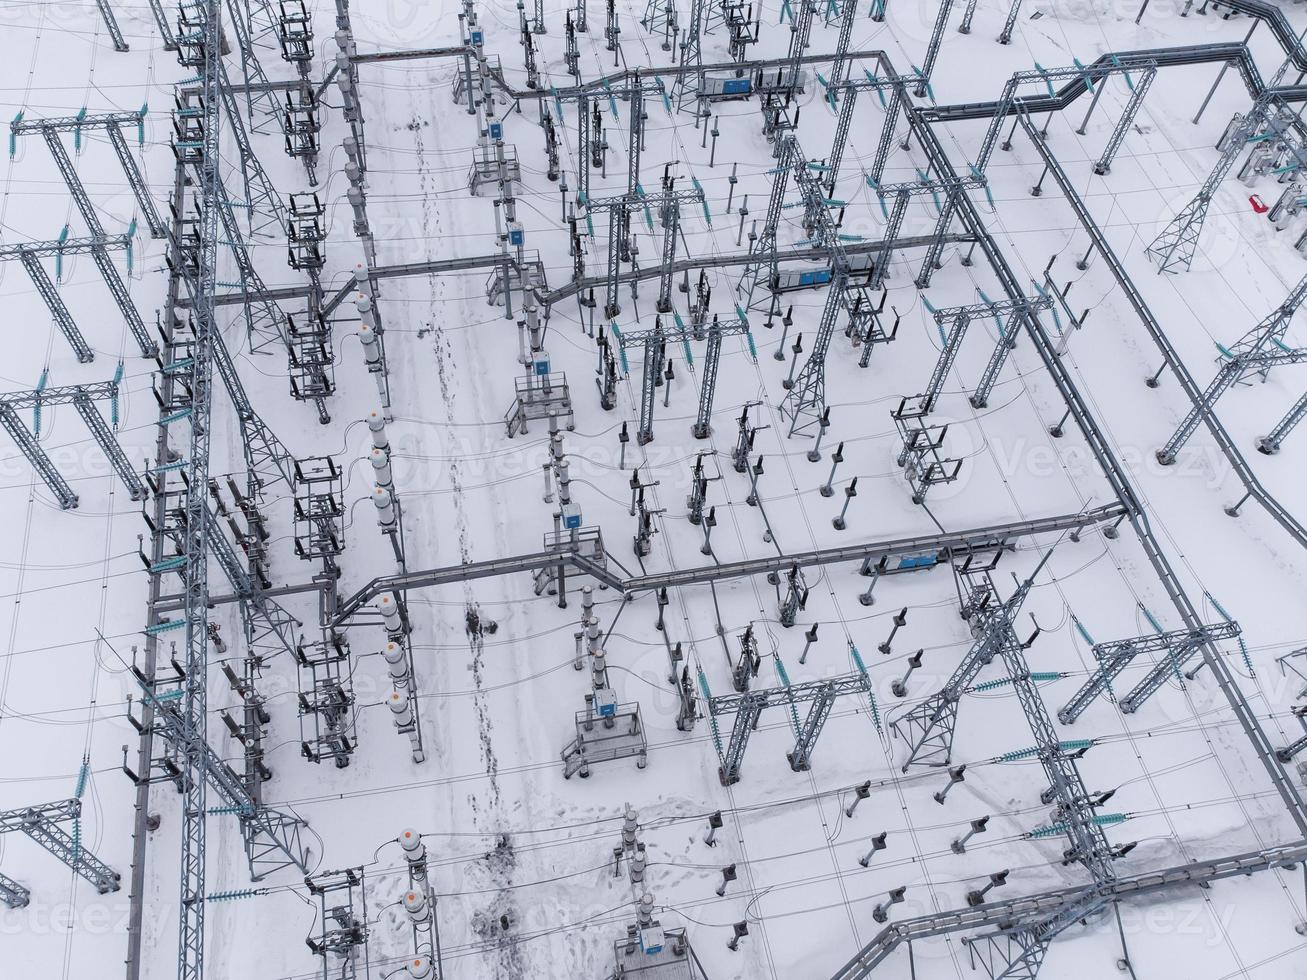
{"x": 1112, "y": 469}
{"x": 30, "y": 255}
{"x": 845, "y": 92}
{"x": 98, "y": 248}
{"x": 654, "y": 341}
{"x": 43, "y": 825}
{"x": 1115, "y": 656}
{"x": 83, "y": 399}
{"x": 111, "y": 123}
{"x": 1256, "y": 352}
{"x": 620, "y": 208}
{"x": 1079, "y": 80}
{"x": 1172, "y": 359}
{"x": 1005, "y": 314}
{"x": 929, "y": 727}
{"x": 1174, "y": 247}
{"x": 747, "y": 707}
{"x": 199, "y": 40}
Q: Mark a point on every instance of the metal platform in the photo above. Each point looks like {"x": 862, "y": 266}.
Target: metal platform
{"x": 539, "y": 397}
{"x": 604, "y": 737}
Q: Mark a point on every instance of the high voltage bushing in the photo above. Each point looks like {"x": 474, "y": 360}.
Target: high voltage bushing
{"x": 403, "y": 701}
{"x": 373, "y": 350}
{"x": 419, "y": 904}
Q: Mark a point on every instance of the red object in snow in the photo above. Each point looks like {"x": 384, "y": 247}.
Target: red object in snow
{"x": 1258, "y": 204}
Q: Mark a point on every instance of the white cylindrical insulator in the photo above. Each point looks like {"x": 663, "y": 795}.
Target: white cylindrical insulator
{"x": 371, "y": 347}
{"x": 389, "y": 610}
{"x": 419, "y": 967}
{"x": 381, "y": 468}
{"x": 396, "y": 664}
{"x": 564, "y": 483}
{"x": 644, "y": 914}
{"x": 366, "y": 314}
{"x": 411, "y": 842}
{"x": 533, "y": 326}
{"x": 351, "y": 146}
{"x": 385, "y": 504}
{"x": 400, "y": 710}
{"x": 377, "y": 426}
{"x": 353, "y": 174}
{"x": 415, "y": 904}
{"x": 363, "y": 279}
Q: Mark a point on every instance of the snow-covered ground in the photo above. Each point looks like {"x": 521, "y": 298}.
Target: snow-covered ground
{"x": 522, "y": 859}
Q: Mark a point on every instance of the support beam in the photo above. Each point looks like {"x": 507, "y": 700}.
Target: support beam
{"x": 62, "y": 318}
{"x": 929, "y": 727}
{"x": 12, "y": 894}
{"x": 708, "y": 380}
{"x": 109, "y": 445}
{"x": 1270, "y": 443}
{"x": 1254, "y": 353}
{"x": 111, "y": 22}
{"x": 1174, "y": 248}
{"x": 1013, "y": 12}
{"x": 41, "y": 462}
{"x": 1137, "y": 95}
{"x": 749, "y": 704}
{"x": 42, "y": 824}
{"x": 137, "y": 181}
